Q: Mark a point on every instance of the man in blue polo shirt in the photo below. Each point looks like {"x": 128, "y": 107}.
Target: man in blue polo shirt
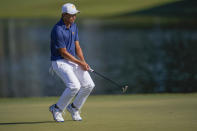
{"x": 69, "y": 64}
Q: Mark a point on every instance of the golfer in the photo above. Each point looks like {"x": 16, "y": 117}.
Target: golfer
{"x": 69, "y": 64}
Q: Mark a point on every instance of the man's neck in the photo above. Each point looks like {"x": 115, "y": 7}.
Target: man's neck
{"x": 67, "y": 25}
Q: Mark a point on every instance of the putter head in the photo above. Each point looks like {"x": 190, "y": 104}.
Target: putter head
{"x": 124, "y": 88}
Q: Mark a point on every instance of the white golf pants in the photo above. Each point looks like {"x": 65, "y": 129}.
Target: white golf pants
{"x": 77, "y": 81}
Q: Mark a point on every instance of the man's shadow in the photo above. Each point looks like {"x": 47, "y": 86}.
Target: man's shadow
{"x": 31, "y": 122}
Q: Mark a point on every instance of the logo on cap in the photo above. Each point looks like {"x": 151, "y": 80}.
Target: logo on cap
{"x": 73, "y": 7}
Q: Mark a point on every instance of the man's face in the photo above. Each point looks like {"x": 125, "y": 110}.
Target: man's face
{"x": 69, "y": 18}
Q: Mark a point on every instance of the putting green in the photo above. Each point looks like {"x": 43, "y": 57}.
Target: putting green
{"x": 166, "y": 112}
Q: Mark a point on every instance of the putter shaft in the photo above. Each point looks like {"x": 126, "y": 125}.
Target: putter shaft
{"x": 91, "y": 70}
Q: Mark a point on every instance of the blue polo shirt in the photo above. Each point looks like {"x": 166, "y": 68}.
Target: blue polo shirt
{"x": 63, "y": 37}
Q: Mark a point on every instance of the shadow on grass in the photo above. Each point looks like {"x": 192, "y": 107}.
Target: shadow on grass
{"x": 31, "y": 122}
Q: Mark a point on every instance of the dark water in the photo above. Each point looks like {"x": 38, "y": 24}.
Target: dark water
{"x": 148, "y": 60}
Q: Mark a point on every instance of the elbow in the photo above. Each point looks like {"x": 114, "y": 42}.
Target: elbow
{"x": 63, "y": 52}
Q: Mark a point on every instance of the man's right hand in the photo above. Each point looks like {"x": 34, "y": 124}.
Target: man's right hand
{"x": 84, "y": 66}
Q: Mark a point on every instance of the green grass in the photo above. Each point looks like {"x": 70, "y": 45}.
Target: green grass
{"x": 166, "y": 112}
{"x": 128, "y": 13}
{"x": 88, "y": 8}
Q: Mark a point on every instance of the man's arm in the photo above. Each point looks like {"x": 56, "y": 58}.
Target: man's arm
{"x": 66, "y": 55}
{"x": 79, "y": 51}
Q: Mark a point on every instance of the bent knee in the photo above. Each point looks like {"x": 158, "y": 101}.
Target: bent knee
{"x": 74, "y": 86}
{"x": 90, "y": 86}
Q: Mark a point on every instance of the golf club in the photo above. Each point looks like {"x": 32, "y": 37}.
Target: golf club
{"x": 123, "y": 87}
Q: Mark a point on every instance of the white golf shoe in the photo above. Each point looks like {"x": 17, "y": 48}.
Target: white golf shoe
{"x": 74, "y": 113}
{"x": 57, "y": 114}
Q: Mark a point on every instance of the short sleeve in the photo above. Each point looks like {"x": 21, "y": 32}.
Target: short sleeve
{"x": 57, "y": 38}
{"x": 76, "y": 35}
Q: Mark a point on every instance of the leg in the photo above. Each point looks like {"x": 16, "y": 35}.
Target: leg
{"x": 65, "y": 71}
{"x": 86, "y": 87}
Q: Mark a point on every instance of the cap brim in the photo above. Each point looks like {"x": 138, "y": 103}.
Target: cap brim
{"x": 72, "y": 13}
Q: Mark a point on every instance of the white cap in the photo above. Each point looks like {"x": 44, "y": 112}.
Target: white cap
{"x": 69, "y": 8}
